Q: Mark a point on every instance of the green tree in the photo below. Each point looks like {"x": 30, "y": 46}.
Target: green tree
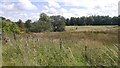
{"x": 82, "y": 20}
{"x": 10, "y": 27}
{"x": 115, "y": 20}
{"x": 89, "y": 21}
{"x": 58, "y": 23}
{"x": 43, "y": 24}
{"x": 44, "y": 17}
{"x": 28, "y": 24}
{"x": 67, "y": 22}
{"x": 21, "y": 25}
{"x": 72, "y": 21}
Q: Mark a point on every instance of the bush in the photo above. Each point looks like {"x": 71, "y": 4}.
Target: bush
{"x": 41, "y": 26}
{"x": 9, "y": 27}
{"x": 58, "y": 23}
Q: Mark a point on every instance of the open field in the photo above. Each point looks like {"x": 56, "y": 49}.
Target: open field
{"x": 84, "y": 46}
{"x": 90, "y": 28}
{"x": 0, "y": 54}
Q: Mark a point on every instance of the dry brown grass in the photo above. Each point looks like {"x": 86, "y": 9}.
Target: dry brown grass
{"x": 62, "y": 48}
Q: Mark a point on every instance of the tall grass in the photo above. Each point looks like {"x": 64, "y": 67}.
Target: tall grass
{"x": 62, "y": 49}
{"x": 0, "y": 47}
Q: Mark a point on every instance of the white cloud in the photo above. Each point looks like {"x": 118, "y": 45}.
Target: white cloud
{"x": 4, "y": 6}
{"x": 94, "y": 7}
{"x": 18, "y": 10}
{"x": 11, "y": 7}
{"x": 106, "y": 7}
{"x": 53, "y": 4}
{"x": 24, "y": 16}
{"x": 63, "y": 10}
{"x": 27, "y": 5}
{"x": 50, "y": 10}
{"x": 46, "y": 7}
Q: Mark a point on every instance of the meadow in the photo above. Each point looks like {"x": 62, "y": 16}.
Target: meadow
{"x": 0, "y": 47}
{"x": 77, "y": 46}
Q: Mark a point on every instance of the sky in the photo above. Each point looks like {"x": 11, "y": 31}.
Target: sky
{"x": 31, "y": 9}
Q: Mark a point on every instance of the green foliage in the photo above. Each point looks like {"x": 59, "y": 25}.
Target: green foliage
{"x": 41, "y": 26}
{"x": 28, "y": 25}
{"x": 9, "y": 27}
{"x": 21, "y": 25}
{"x": 92, "y": 20}
{"x": 58, "y": 23}
{"x": 44, "y": 17}
{"x": 89, "y": 21}
{"x": 0, "y": 24}
{"x": 46, "y": 23}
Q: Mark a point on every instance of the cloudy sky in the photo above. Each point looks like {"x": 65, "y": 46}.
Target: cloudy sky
{"x": 31, "y": 9}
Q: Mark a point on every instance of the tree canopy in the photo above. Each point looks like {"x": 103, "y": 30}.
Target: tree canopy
{"x": 9, "y": 27}
{"x": 49, "y": 23}
{"x": 92, "y": 20}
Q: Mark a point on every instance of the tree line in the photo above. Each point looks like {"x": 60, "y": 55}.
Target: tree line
{"x": 44, "y": 24}
{"x": 54, "y": 23}
{"x": 92, "y": 20}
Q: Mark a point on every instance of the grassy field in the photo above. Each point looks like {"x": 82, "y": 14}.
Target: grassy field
{"x": 0, "y": 54}
{"x": 81, "y": 46}
{"x": 90, "y": 28}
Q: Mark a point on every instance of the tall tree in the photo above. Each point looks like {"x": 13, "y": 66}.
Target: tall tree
{"x": 58, "y": 23}
{"x": 43, "y": 24}
{"x": 72, "y": 21}
{"x": 89, "y": 20}
{"x": 44, "y": 17}
{"x": 82, "y": 20}
{"x": 28, "y": 24}
{"x": 21, "y": 25}
{"x": 115, "y": 20}
{"x": 67, "y": 22}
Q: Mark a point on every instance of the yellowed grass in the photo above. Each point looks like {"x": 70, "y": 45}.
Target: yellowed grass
{"x": 90, "y": 28}
{"x": 62, "y": 48}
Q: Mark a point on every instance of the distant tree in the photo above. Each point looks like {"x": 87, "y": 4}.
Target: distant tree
{"x": 21, "y": 25}
{"x": 2, "y": 18}
{"x": 77, "y": 21}
{"x": 89, "y": 21}
{"x": 81, "y": 21}
{"x": 115, "y": 20}
{"x": 44, "y": 17}
{"x": 72, "y": 21}
{"x": 8, "y": 20}
{"x": 92, "y": 20}
{"x": 58, "y": 23}
{"x": 43, "y": 24}
{"x": 97, "y": 20}
{"x": 118, "y": 20}
{"x": 67, "y": 22}
{"x": 28, "y": 24}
